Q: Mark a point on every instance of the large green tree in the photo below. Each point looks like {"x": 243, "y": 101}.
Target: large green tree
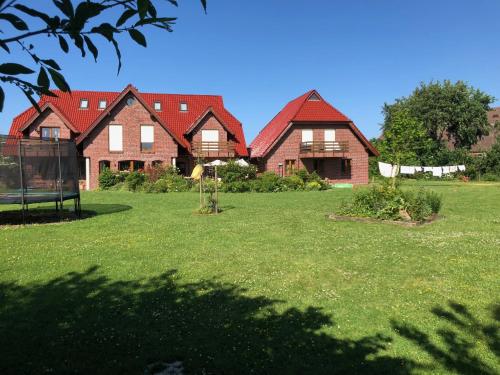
{"x": 449, "y": 111}
{"x": 67, "y": 22}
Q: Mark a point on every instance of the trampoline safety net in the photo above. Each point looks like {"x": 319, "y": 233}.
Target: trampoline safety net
{"x": 34, "y": 170}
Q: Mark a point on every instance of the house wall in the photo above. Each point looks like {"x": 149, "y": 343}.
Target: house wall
{"x": 209, "y": 123}
{"x": 289, "y": 145}
{"x": 96, "y": 145}
{"x": 51, "y": 120}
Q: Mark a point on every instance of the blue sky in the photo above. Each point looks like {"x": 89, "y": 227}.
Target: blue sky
{"x": 260, "y": 54}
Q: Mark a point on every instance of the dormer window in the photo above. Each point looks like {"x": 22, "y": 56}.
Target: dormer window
{"x": 157, "y": 106}
{"x": 102, "y": 104}
{"x": 314, "y": 97}
{"x": 84, "y": 104}
{"x": 183, "y": 107}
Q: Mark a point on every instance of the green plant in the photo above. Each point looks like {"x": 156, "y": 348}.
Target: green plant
{"x": 268, "y": 182}
{"x": 107, "y": 179}
{"x": 134, "y": 180}
{"x": 313, "y": 185}
{"x": 232, "y": 172}
{"x": 293, "y": 182}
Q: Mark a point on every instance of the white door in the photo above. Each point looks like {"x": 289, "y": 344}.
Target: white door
{"x": 210, "y": 139}
{"x": 329, "y": 139}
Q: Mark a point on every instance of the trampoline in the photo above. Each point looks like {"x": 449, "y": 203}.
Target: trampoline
{"x": 33, "y": 170}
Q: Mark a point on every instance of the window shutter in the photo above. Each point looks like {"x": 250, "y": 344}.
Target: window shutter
{"x": 147, "y": 134}
{"x": 115, "y": 138}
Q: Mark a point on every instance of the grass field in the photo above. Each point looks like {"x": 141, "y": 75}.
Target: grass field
{"x": 268, "y": 286}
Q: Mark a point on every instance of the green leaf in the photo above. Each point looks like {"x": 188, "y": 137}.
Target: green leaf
{"x": 52, "y": 64}
{"x": 174, "y": 2}
{"x": 125, "y": 17}
{"x": 147, "y": 21}
{"x": 77, "y": 38}
{"x": 106, "y": 30}
{"x": 33, "y": 13}
{"x": 14, "y": 20}
{"x": 63, "y": 44}
{"x": 4, "y": 46}
{"x": 66, "y": 7}
{"x": 204, "y": 5}
{"x": 29, "y": 95}
{"x": 92, "y": 47}
{"x": 59, "y": 80}
{"x": 43, "y": 78}
{"x": 152, "y": 10}
{"x": 142, "y": 7}
{"x": 2, "y": 98}
{"x": 14, "y": 69}
{"x": 118, "y": 55}
{"x": 138, "y": 37}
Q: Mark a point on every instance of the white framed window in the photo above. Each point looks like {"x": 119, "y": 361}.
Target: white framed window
{"x": 183, "y": 107}
{"x": 147, "y": 138}
{"x": 115, "y": 138}
{"x": 102, "y": 104}
{"x": 210, "y": 140}
{"x": 329, "y": 139}
{"x": 157, "y": 106}
{"x": 307, "y": 135}
{"x": 84, "y": 103}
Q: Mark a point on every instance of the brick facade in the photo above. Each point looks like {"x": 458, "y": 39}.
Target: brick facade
{"x": 49, "y": 119}
{"x": 287, "y": 148}
{"x": 96, "y": 145}
{"x": 209, "y": 123}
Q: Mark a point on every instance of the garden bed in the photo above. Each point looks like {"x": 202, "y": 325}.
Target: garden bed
{"x": 402, "y": 223}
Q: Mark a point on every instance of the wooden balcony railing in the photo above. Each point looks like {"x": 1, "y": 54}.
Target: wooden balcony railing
{"x": 323, "y": 147}
{"x": 213, "y": 149}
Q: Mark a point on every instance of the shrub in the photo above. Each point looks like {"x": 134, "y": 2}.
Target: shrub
{"x": 235, "y": 187}
{"x": 134, "y": 180}
{"x": 232, "y": 172}
{"x": 386, "y": 202}
{"x": 268, "y": 182}
{"x": 313, "y": 185}
{"x": 107, "y": 179}
{"x": 293, "y": 182}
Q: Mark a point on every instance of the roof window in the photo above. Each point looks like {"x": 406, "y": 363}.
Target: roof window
{"x": 84, "y": 103}
{"x": 102, "y": 104}
{"x": 157, "y": 106}
{"x": 183, "y": 107}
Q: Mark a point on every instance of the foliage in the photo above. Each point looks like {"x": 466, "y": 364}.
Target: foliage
{"x": 232, "y": 172}
{"x": 134, "y": 180}
{"x": 446, "y": 110}
{"x": 389, "y": 203}
{"x": 405, "y": 138}
{"x": 75, "y": 22}
{"x": 293, "y": 182}
{"x": 107, "y": 179}
{"x": 268, "y": 182}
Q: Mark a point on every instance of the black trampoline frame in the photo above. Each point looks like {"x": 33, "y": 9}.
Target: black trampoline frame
{"x": 24, "y": 197}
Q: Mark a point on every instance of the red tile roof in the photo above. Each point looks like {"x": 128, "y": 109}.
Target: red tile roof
{"x": 302, "y": 110}
{"x": 176, "y": 121}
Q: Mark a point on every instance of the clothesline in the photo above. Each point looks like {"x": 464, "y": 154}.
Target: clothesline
{"x": 389, "y": 170}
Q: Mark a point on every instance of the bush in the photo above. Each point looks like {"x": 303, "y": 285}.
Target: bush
{"x": 388, "y": 203}
{"x": 134, "y": 180}
{"x": 313, "y": 185}
{"x": 236, "y": 187}
{"x": 268, "y": 182}
{"x": 232, "y": 172}
{"x": 293, "y": 182}
{"x": 107, "y": 179}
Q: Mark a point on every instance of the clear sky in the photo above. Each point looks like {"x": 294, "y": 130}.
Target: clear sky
{"x": 260, "y": 54}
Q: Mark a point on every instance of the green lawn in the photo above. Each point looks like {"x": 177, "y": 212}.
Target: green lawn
{"x": 268, "y": 286}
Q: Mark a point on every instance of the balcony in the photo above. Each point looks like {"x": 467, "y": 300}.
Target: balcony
{"x": 213, "y": 149}
{"x": 323, "y": 149}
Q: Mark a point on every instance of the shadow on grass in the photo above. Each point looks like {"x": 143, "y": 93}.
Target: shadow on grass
{"x": 46, "y": 215}
{"x": 83, "y": 323}
{"x": 459, "y": 340}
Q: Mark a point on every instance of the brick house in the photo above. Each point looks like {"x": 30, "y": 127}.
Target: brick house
{"x": 130, "y": 130}
{"x": 310, "y": 133}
